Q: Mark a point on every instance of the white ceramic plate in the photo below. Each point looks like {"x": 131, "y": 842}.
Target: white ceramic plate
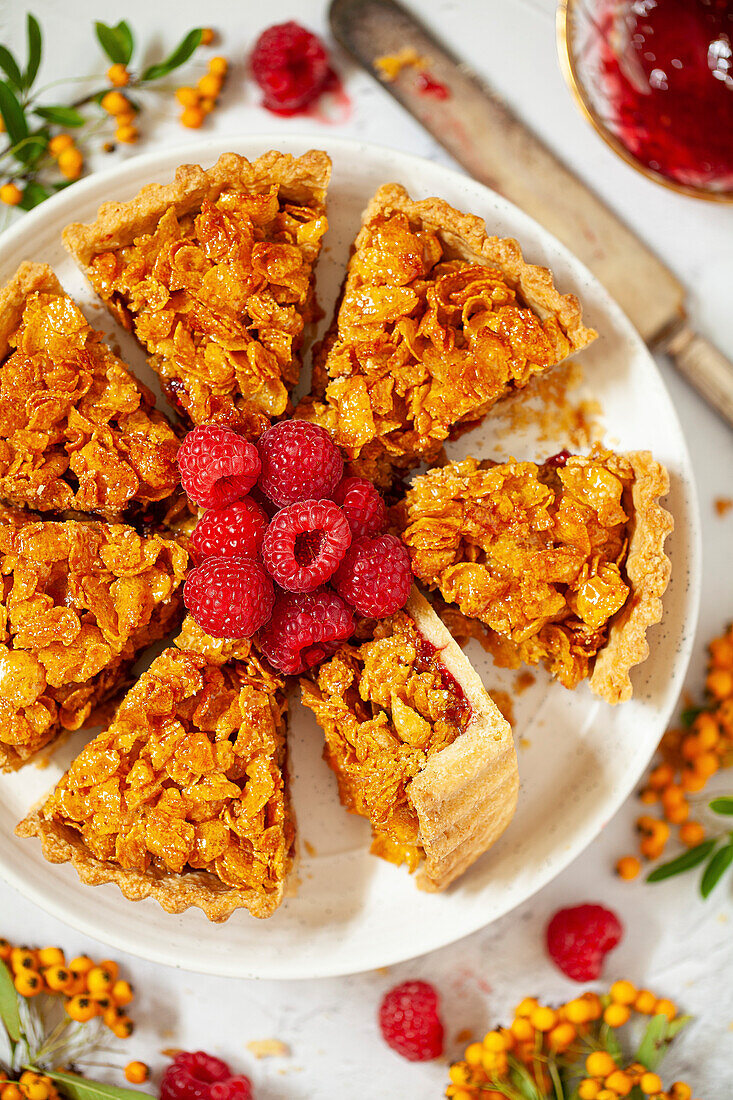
{"x": 578, "y": 757}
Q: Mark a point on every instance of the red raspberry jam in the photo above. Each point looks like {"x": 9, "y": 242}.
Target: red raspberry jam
{"x": 667, "y": 73}
{"x": 427, "y": 659}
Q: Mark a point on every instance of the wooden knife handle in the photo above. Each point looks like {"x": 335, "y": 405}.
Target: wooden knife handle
{"x": 704, "y": 367}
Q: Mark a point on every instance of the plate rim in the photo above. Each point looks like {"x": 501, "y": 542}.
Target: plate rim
{"x": 197, "y": 150}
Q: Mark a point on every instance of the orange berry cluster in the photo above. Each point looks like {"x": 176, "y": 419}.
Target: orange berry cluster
{"x": 65, "y": 153}
{"x": 29, "y": 1086}
{"x": 198, "y": 102}
{"x": 90, "y": 989}
{"x": 124, "y": 114}
{"x": 690, "y": 758}
{"x": 567, "y": 1037}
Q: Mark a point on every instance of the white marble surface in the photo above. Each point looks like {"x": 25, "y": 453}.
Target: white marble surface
{"x": 674, "y": 943}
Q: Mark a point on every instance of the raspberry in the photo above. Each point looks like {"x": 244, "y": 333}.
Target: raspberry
{"x": 409, "y": 1021}
{"x": 579, "y": 938}
{"x": 375, "y": 576}
{"x": 305, "y": 629}
{"x": 300, "y": 461}
{"x": 200, "y": 1076}
{"x": 229, "y": 597}
{"x": 217, "y": 466}
{"x": 291, "y": 67}
{"x": 364, "y": 508}
{"x": 305, "y": 544}
{"x": 230, "y": 532}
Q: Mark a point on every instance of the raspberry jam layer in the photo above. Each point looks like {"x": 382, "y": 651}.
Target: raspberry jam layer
{"x": 458, "y": 710}
{"x": 666, "y": 67}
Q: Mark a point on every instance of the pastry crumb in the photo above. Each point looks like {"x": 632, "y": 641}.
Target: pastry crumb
{"x": 310, "y": 848}
{"x": 546, "y": 406}
{"x": 723, "y": 505}
{"x": 390, "y": 66}
{"x": 523, "y": 680}
{"x": 268, "y": 1048}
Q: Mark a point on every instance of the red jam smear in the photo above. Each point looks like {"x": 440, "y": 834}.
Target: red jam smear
{"x": 427, "y": 659}
{"x": 560, "y": 459}
{"x": 666, "y": 68}
{"x": 428, "y": 85}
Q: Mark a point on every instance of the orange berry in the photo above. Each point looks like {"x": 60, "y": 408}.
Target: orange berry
{"x": 691, "y": 782}
{"x": 649, "y": 796}
{"x": 719, "y": 683}
{"x": 692, "y": 833}
{"x": 595, "y": 1006}
{"x": 691, "y": 747}
{"x": 617, "y": 1015}
{"x": 124, "y": 1028}
{"x": 721, "y": 651}
{"x": 543, "y": 1018}
{"x": 58, "y": 978}
{"x": 29, "y": 983}
{"x": 187, "y": 97}
{"x": 71, "y": 163}
{"x": 672, "y": 795}
{"x": 562, "y": 1036}
{"x": 651, "y": 848}
{"x": 650, "y": 1082}
{"x": 122, "y": 993}
{"x": 209, "y": 85}
{"x": 114, "y": 103}
{"x": 137, "y": 1072}
{"x": 588, "y": 1089}
{"x": 128, "y": 135}
{"x": 623, "y": 993}
{"x": 628, "y": 867}
{"x": 11, "y": 1091}
{"x": 218, "y": 66}
{"x": 127, "y": 118}
{"x": 5, "y": 949}
{"x": 706, "y": 764}
{"x": 619, "y": 1082}
{"x": 665, "y": 1007}
{"x": 661, "y": 776}
{"x": 114, "y": 1015}
{"x": 522, "y": 1029}
{"x": 192, "y": 117}
{"x": 112, "y": 967}
{"x": 677, "y": 815}
{"x": 207, "y": 105}
{"x": 680, "y": 1091}
{"x": 21, "y": 958}
{"x": 473, "y": 1054}
{"x": 707, "y": 731}
{"x": 599, "y": 1064}
{"x": 495, "y": 1041}
{"x": 58, "y": 143}
{"x": 81, "y": 1008}
{"x": 578, "y": 1011}
{"x": 118, "y": 75}
{"x": 99, "y": 980}
{"x": 207, "y": 36}
{"x": 645, "y": 1002}
{"x": 526, "y": 1007}
{"x": 51, "y": 956}
{"x": 10, "y": 194}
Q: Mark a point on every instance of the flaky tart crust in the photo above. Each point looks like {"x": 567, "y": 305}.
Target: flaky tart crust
{"x": 78, "y": 432}
{"x": 174, "y": 891}
{"x": 465, "y": 794}
{"x": 220, "y": 295}
{"x": 437, "y": 321}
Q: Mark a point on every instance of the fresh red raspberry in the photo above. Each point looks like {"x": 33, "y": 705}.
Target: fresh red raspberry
{"x": 199, "y": 1076}
{"x": 300, "y": 461}
{"x": 410, "y": 1023}
{"x": 375, "y": 576}
{"x": 291, "y": 67}
{"x": 229, "y": 597}
{"x": 234, "y": 531}
{"x": 305, "y": 629}
{"x": 304, "y": 544}
{"x": 217, "y": 466}
{"x": 365, "y": 510}
{"x": 578, "y": 939}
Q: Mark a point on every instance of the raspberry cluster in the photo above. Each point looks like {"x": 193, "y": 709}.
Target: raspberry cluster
{"x": 288, "y": 548}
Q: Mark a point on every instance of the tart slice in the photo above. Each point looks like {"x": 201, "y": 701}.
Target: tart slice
{"x": 183, "y": 798}
{"x": 214, "y": 274}
{"x": 78, "y": 602}
{"x": 77, "y": 430}
{"x": 417, "y": 745}
{"x": 563, "y": 563}
{"x": 437, "y": 322}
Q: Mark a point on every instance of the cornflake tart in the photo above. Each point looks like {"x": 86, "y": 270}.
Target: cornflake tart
{"x": 563, "y": 563}
{"x": 214, "y": 274}
{"x": 184, "y": 797}
{"x": 417, "y": 745}
{"x": 77, "y": 430}
{"x": 78, "y": 603}
{"x": 437, "y": 322}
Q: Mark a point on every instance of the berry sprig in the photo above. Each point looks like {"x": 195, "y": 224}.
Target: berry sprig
{"x": 690, "y": 757}
{"x": 573, "y": 1050}
{"x": 54, "y": 1014}
{"x": 40, "y": 148}
{"x": 296, "y": 559}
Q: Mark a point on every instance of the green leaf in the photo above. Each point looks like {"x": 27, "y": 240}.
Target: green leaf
{"x": 654, "y": 1040}
{"x": 689, "y": 714}
{"x": 80, "y": 1088}
{"x": 722, "y": 805}
{"x": 33, "y": 195}
{"x": 12, "y": 112}
{"x": 30, "y": 150}
{"x": 117, "y": 42}
{"x": 715, "y": 869}
{"x": 9, "y": 1013}
{"x": 677, "y": 1024}
{"x": 10, "y": 67}
{"x": 60, "y": 116}
{"x": 35, "y": 48}
{"x": 181, "y": 53}
{"x": 692, "y": 858}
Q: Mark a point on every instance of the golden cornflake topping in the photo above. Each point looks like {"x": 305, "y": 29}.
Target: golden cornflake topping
{"x": 385, "y": 707}
{"x": 536, "y": 553}
{"x": 77, "y": 602}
